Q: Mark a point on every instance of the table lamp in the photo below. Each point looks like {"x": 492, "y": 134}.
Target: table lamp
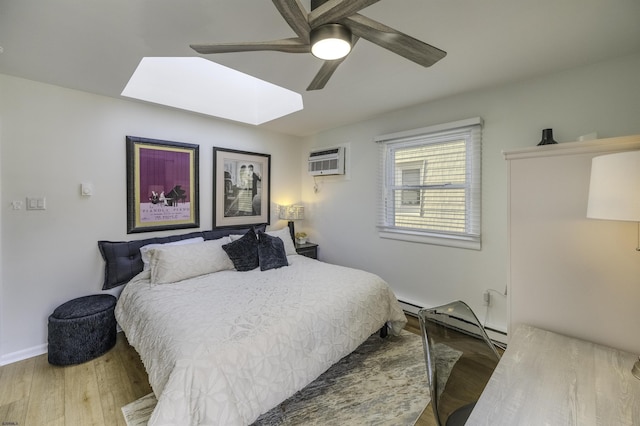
{"x": 614, "y": 194}
{"x": 291, "y": 213}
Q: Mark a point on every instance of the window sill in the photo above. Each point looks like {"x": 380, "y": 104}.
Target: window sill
{"x": 438, "y": 240}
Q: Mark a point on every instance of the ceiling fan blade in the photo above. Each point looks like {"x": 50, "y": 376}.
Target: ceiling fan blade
{"x": 325, "y": 73}
{"x": 327, "y": 70}
{"x": 333, "y": 11}
{"x": 395, "y": 41}
{"x": 295, "y": 15}
{"x": 287, "y": 45}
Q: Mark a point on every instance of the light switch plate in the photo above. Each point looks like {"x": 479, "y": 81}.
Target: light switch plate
{"x": 86, "y": 189}
{"x": 36, "y": 203}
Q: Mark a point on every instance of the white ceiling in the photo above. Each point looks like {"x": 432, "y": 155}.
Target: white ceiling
{"x": 95, "y": 45}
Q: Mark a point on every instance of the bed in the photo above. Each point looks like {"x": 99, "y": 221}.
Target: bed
{"x": 225, "y": 342}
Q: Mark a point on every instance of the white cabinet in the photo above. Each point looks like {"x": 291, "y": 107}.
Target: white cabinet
{"x": 567, "y": 273}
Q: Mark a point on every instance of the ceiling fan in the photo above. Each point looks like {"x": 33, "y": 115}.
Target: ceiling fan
{"x": 338, "y": 23}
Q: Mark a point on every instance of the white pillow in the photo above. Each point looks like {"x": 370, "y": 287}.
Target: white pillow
{"x": 169, "y": 264}
{"x": 144, "y": 250}
{"x": 285, "y": 235}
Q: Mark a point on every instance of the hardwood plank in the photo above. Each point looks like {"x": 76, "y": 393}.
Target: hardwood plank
{"x": 135, "y": 371}
{"x": 13, "y": 412}
{"x": 15, "y": 384}
{"x": 16, "y": 381}
{"x": 115, "y": 387}
{"x": 46, "y": 399}
{"x": 34, "y": 392}
{"x": 427, "y": 418}
{"x": 82, "y": 398}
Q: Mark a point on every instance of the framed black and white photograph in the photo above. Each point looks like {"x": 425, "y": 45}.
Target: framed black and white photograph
{"x": 162, "y": 185}
{"x": 241, "y": 188}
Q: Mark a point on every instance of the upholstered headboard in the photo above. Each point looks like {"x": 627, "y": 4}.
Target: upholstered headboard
{"x": 123, "y": 260}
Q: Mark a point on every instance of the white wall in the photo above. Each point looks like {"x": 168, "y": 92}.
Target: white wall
{"x": 52, "y": 139}
{"x": 604, "y": 98}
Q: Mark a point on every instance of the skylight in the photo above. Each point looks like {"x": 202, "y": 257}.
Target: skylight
{"x": 199, "y": 85}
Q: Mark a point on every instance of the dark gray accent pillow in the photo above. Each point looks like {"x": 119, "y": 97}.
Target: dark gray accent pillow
{"x": 243, "y": 252}
{"x": 271, "y": 252}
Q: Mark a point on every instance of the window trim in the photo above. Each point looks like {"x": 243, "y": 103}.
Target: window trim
{"x": 466, "y": 241}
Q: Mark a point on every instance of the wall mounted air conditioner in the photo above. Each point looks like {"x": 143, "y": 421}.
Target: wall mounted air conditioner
{"x": 328, "y": 161}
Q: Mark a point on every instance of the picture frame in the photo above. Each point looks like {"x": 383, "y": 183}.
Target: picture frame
{"x": 162, "y": 185}
{"x": 241, "y": 188}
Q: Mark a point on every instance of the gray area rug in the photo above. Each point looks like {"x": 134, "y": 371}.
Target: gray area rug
{"x": 383, "y": 382}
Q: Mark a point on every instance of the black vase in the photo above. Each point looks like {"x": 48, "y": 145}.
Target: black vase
{"x": 547, "y": 137}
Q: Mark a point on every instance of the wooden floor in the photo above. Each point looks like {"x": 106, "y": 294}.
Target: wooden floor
{"x": 35, "y": 393}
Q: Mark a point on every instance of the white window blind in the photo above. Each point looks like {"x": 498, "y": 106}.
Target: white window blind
{"x": 429, "y": 184}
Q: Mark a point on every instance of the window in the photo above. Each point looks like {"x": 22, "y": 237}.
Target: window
{"x": 430, "y": 184}
{"x": 410, "y": 178}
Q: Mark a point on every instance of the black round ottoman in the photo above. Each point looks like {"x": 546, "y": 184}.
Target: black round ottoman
{"x": 82, "y": 329}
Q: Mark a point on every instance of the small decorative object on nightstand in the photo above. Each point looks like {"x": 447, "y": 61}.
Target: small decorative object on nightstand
{"x": 308, "y": 250}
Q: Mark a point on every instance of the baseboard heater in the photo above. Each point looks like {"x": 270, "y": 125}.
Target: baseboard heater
{"x": 497, "y": 336}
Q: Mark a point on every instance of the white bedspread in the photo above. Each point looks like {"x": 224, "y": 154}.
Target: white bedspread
{"x": 223, "y": 348}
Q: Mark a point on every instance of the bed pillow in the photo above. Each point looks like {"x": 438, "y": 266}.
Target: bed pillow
{"x": 285, "y": 235}
{"x": 271, "y": 252}
{"x": 243, "y": 252}
{"x": 144, "y": 250}
{"x": 170, "y": 264}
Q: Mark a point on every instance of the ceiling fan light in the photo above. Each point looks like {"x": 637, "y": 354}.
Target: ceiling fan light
{"x": 330, "y": 41}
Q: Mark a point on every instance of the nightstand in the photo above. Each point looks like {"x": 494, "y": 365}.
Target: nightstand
{"x": 307, "y": 249}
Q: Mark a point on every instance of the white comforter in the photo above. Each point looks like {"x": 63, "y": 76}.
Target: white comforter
{"x": 223, "y": 348}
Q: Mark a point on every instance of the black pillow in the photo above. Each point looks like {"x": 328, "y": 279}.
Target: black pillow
{"x": 243, "y": 252}
{"x": 271, "y": 253}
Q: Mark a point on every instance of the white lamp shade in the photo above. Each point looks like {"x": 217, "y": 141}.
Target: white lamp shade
{"x": 614, "y": 189}
{"x": 295, "y": 212}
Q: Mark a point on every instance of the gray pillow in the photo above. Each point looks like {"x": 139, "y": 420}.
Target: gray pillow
{"x": 243, "y": 252}
{"x": 271, "y": 252}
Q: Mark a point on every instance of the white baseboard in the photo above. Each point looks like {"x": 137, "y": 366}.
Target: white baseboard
{"x": 23, "y": 354}
{"x": 410, "y": 307}
{"x": 496, "y": 335}
{"x": 31, "y": 352}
